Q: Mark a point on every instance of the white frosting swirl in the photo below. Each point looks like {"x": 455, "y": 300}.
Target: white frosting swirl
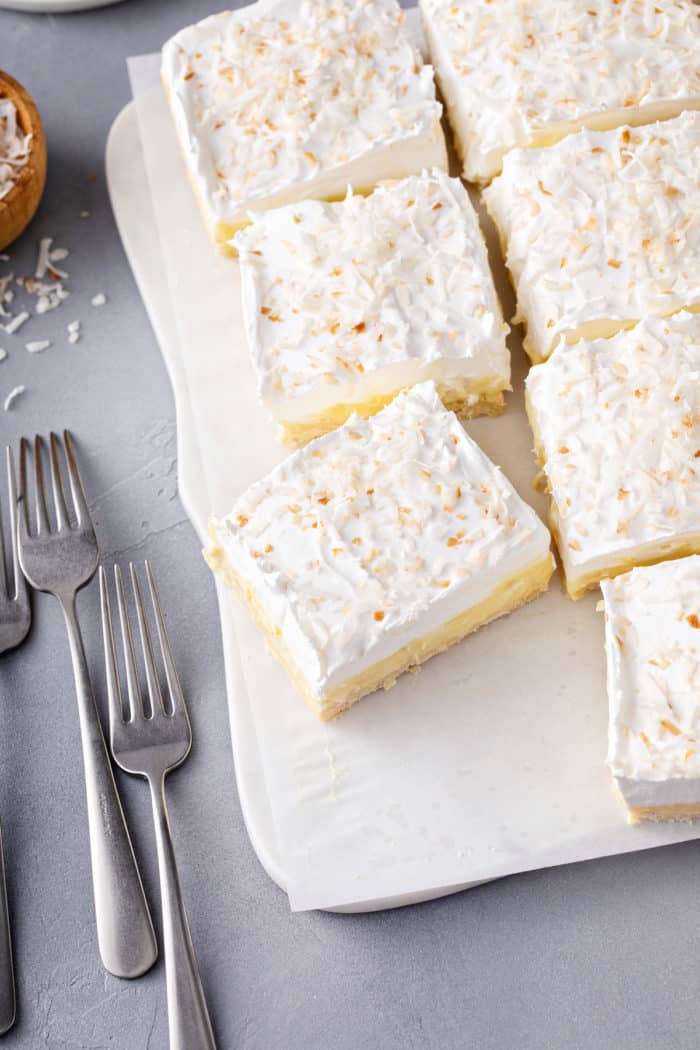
{"x": 349, "y": 300}
{"x": 377, "y": 533}
{"x": 652, "y": 640}
{"x": 618, "y": 424}
{"x": 604, "y": 227}
{"x": 513, "y": 70}
{"x": 278, "y": 94}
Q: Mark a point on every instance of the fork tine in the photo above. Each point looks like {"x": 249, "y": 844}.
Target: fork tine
{"x": 22, "y": 494}
{"x": 155, "y": 696}
{"x": 3, "y": 570}
{"x": 114, "y": 693}
{"x": 177, "y": 700}
{"x": 42, "y": 520}
{"x": 132, "y": 681}
{"x": 82, "y": 511}
{"x": 20, "y": 584}
{"x": 59, "y": 498}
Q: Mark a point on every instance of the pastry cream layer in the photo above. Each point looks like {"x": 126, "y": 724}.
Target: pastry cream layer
{"x": 528, "y": 72}
{"x": 356, "y": 551}
{"x": 652, "y": 649}
{"x": 601, "y": 230}
{"x": 281, "y": 101}
{"x": 466, "y": 404}
{"x": 617, "y": 433}
{"x": 345, "y": 304}
{"x": 508, "y": 596}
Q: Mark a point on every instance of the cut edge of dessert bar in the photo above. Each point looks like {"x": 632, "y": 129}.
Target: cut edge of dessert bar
{"x": 393, "y": 157}
{"x": 323, "y": 348}
{"x": 578, "y": 582}
{"x": 520, "y": 583}
{"x": 639, "y": 687}
{"x": 482, "y": 162}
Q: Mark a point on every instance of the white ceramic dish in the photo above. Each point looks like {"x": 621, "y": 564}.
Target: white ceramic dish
{"x": 54, "y": 7}
{"x": 491, "y": 761}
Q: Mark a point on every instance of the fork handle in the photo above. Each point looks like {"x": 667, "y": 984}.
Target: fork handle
{"x": 7, "y": 973}
{"x": 188, "y": 1017}
{"x": 125, "y": 934}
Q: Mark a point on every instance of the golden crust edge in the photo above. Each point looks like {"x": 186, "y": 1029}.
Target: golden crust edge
{"x": 512, "y": 593}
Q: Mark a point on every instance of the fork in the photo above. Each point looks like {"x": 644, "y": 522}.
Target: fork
{"x": 15, "y": 621}
{"x": 61, "y": 560}
{"x": 152, "y": 741}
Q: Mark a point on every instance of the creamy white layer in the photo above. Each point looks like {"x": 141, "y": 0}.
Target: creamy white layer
{"x": 376, "y": 534}
{"x": 283, "y": 100}
{"x": 617, "y": 422}
{"x": 601, "y": 229}
{"x": 350, "y": 301}
{"x": 527, "y": 72}
{"x": 652, "y": 644}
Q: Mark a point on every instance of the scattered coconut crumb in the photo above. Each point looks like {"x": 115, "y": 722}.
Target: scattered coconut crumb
{"x": 73, "y": 331}
{"x": 3, "y": 354}
{"x": 99, "y": 300}
{"x": 37, "y": 346}
{"x": 85, "y": 215}
{"x": 16, "y": 323}
{"x": 12, "y": 397}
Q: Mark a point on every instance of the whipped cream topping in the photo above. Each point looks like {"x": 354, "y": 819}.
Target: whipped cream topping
{"x": 602, "y": 227}
{"x": 652, "y": 638}
{"x": 618, "y": 425}
{"x": 275, "y": 94}
{"x": 14, "y": 146}
{"x": 340, "y": 299}
{"x": 376, "y": 533}
{"x": 512, "y": 69}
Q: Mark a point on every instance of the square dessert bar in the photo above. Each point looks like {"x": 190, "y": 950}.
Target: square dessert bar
{"x": 652, "y": 644}
{"x": 528, "y": 72}
{"x": 617, "y": 431}
{"x": 377, "y": 546}
{"x": 284, "y": 100}
{"x": 347, "y": 303}
{"x": 601, "y": 230}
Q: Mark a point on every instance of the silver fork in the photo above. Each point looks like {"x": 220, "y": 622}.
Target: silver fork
{"x": 61, "y": 560}
{"x": 15, "y": 621}
{"x": 153, "y": 740}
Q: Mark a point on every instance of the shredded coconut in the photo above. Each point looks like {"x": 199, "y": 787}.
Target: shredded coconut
{"x": 16, "y": 323}
{"x": 99, "y": 300}
{"x": 14, "y": 146}
{"x": 3, "y": 354}
{"x": 37, "y": 346}
{"x": 12, "y": 397}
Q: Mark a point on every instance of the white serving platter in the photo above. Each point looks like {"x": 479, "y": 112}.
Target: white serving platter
{"x": 491, "y": 760}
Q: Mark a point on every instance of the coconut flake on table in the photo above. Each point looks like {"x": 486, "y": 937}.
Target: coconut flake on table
{"x": 73, "y": 330}
{"x": 37, "y": 346}
{"x": 16, "y": 323}
{"x": 14, "y": 146}
{"x": 99, "y": 300}
{"x": 3, "y": 354}
{"x": 12, "y": 397}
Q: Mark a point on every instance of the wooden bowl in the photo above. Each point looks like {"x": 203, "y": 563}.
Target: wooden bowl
{"x": 17, "y": 208}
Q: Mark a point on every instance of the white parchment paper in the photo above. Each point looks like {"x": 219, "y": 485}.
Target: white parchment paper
{"x": 491, "y": 759}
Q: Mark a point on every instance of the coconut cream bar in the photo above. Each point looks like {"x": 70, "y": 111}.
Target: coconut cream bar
{"x": 528, "y": 72}
{"x": 281, "y": 100}
{"x": 601, "y": 230}
{"x": 617, "y": 432}
{"x": 377, "y": 546}
{"x": 652, "y": 644}
{"x": 347, "y": 303}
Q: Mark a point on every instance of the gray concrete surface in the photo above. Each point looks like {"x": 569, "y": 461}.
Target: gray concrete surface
{"x": 601, "y": 955}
